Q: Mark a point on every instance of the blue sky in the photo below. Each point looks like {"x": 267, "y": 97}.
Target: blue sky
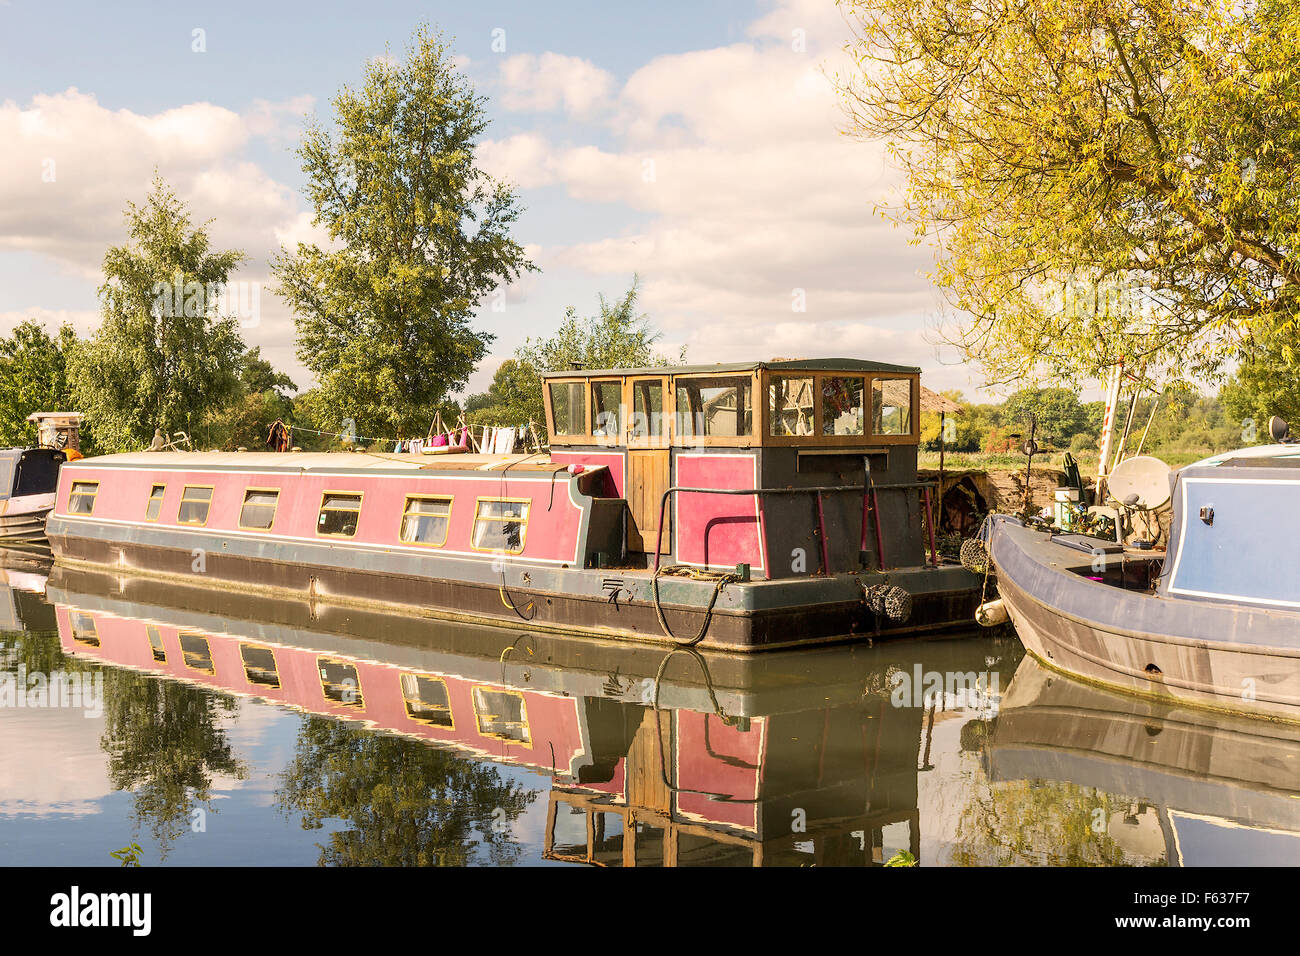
{"x": 698, "y": 145}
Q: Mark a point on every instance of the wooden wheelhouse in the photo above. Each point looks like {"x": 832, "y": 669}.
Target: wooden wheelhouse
{"x": 826, "y": 448}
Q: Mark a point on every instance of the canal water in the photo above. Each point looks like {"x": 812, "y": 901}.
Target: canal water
{"x": 172, "y": 725}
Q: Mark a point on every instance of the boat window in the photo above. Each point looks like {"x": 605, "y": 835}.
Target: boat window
{"x": 154, "y": 507}
{"x": 501, "y": 714}
{"x": 647, "y": 409}
{"x": 259, "y": 665}
{"x": 842, "y": 403}
{"x": 196, "y": 501}
{"x": 83, "y": 629}
{"x": 500, "y": 525}
{"x": 606, "y": 407}
{"x": 607, "y": 839}
{"x": 6, "y": 476}
{"x": 81, "y": 499}
{"x": 38, "y": 473}
{"x": 649, "y": 843}
{"x": 258, "y": 512}
{"x": 425, "y": 521}
{"x": 339, "y": 514}
{"x": 891, "y": 406}
{"x": 427, "y": 700}
{"x": 720, "y": 407}
{"x": 340, "y": 682}
{"x": 569, "y": 832}
{"x": 569, "y": 407}
{"x": 196, "y": 653}
{"x": 790, "y": 406}
{"x": 156, "y": 644}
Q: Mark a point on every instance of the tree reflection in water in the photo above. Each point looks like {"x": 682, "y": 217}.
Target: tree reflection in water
{"x": 165, "y": 742}
{"x": 403, "y": 802}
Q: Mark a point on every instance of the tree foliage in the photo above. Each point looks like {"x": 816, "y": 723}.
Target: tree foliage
{"x": 617, "y": 336}
{"x": 1102, "y": 180}
{"x": 420, "y": 234}
{"x": 160, "y": 358}
{"x": 33, "y": 378}
{"x": 401, "y": 802}
{"x": 264, "y": 396}
{"x": 1266, "y": 384}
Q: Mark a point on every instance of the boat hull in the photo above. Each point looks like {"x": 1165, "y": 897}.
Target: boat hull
{"x": 752, "y": 616}
{"x": 22, "y": 520}
{"x": 1234, "y": 659}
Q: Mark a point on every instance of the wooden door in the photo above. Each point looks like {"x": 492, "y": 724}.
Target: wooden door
{"x": 647, "y": 481}
{"x": 650, "y": 406}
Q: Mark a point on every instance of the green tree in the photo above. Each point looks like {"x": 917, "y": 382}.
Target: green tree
{"x": 1266, "y": 384}
{"x": 1058, "y": 413}
{"x": 163, "y": 357}
{"x": 165, "y": 742}
{"x": 617, "y": 336}
{"x": 265, "y": 396}
{"x": 422, "y": 234}
{"x": 402, "y": 802}
{"x": 1100, "y": 179}
{"x": 33, "y": 378}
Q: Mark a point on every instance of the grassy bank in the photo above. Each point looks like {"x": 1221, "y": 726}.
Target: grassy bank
{"x": 979, "y": 461}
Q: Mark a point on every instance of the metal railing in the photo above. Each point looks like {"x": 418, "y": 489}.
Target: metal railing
{"x": 868, "y": 490}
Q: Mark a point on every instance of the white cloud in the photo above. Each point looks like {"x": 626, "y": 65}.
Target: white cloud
{"x": 737, "y": 156}
{"x": 553, "y": 81}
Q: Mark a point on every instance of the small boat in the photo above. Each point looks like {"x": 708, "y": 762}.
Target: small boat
{"x": 745, "y": 506}
{"x": 28, "y": 479}
{"x": 1213, "y": 621}
{"x": 1188, "y": 787}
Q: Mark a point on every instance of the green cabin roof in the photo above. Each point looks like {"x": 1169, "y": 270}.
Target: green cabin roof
{"x": 792, "y": 365}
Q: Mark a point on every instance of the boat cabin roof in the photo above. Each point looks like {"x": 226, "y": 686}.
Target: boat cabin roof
{"x": 782, "y": 365}
{"x": 806, "y": 403}
{"x": 316, "y": 461}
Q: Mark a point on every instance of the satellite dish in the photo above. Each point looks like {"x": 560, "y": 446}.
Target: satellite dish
{"x": 1142, "y": 480}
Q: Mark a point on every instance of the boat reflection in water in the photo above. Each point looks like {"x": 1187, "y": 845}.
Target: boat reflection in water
{"x": 656, "y": 757}
{"x": 827, "y": 756}
{"x": 1185, "y": 786}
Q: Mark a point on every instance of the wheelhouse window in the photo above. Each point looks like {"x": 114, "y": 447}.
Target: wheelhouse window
{"x": 154, "y": 508}
{"x": 891, "y": 406}
{"x": 427, "y": 700}
{"x": 426, "y": 520}
{"x": 715, "y": 407}
{"x": 196, "y": 501}
{"x": 81, "y": 499}
{"x": 647, "y": 409}
{"x": 339, "y": 682}
{"x": 500, "y": 525}
{"x": 258, "y": 511}
{"x": 606, "y": 408}
{"x": 502, "y": 714}
{"x": 569, "y": 408}
{"x": 842, "y": 405}
{"x": 259, "y": 665}
{"x": 339, "y": 514}
{"x": 790, "y": 402}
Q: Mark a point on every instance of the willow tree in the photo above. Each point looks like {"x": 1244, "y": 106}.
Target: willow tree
{"x": 1101, "y": 179}
{"x": 420, "y": 236}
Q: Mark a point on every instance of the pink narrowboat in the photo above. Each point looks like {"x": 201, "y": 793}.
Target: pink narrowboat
{"x": 745, "y": 507}
{"x": 704, "y": 763}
